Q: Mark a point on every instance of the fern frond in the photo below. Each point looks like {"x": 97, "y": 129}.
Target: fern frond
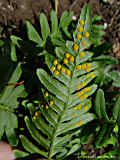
{"x": 8, "y": 104}
{"x": 67, "y": 89}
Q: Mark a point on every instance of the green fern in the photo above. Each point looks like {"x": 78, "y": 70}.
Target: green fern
{"x": 66, "y": 96}
{"x": 55, "y": 35}
{"x": 105, "y": 126}
{"x": 8, "y": 104}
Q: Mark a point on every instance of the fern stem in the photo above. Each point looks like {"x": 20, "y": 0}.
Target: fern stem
{"x": 54, "y": 135}
{"x": 59, "y": 120}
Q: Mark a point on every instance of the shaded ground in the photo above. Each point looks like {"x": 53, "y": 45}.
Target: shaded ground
{"x": 17, "y": 12}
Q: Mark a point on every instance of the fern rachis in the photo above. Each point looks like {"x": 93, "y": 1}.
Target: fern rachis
{"x": 66, "y": 94}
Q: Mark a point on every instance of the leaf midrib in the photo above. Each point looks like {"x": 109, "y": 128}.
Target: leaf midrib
{"x": 64, "y": 109}
{"x": 61, "y": 115}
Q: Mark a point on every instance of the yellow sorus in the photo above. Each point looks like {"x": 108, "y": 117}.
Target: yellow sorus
{"x": 67, "y": 55}
{"x": 84, "y": 42}
{"x": 88, "y": 69}
{"x": 75, "y": 47}
{"x": 65, "y": 61}
{"x": 56, "y": 73}
{"x": 85, "y": 108}
{"x": 88, "y": 75}
{"x": 89, "y": 65}
{"x": 68, "y": 72}
{"x": 92, "y": 74}
{"x": 34, "y": 118}
{"x": 79, "y": 36}
{"x": 46, "y": 94}
{"x": 80, "y": 122}
{"x": 82, "y": 54}
{"x": 53, "y": 68}
{"x": 72, "y": 59}
{"x": 36, "y": 113}
{"x": 85, "y": 96}
{"x": 83, "y": 83}
{"x": 78, "y": 94}
{"x": 79, "y": 106}
{"x": 75, "y": 108}
{"x": 46, "y": 106}
{"x": 83, "y": 66}
{"x": 74, "y": 114}
{"x": 78, "y": 67}
{"x": 76, "y": 124}
{"x": 63, "y": 70}
{"x": 81, "y": 98}
{"x": 59, "y": 66}
{"x": 87, "y": 89}
{"x": 80, "y": 29}
{"x": 82, "y": 22}
{"x": 55, "y": 62}
{"x": 78, "y": 86}
{"x": 86, "y": 34}
{"x": 81, "y": 92}
{"x": 51, "y": 102}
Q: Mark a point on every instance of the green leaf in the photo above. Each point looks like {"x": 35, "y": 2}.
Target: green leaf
{"x": 8, "y": 122}
{"x": 14, "y": 42}
{"x": 112, "y": 154}
{"x": 115, "y": 77}
{"x": 73, "y": 149}
{"x": 36, "y": 135}
{"x": 107, "y": 59}
{"x": 13, "y": 53}
{"x": 30, "y": 147}
{"x": 20, "y": 154}
{"x": 8, "y": 103}
{"x": 100, "y": 105}
{"x": 96, "y": 18}
{"x": 65, "y": 21}
{"x": 54, "y": 22}
{"x": 101, "y": 134}
{"x": 45, "y": 30}
{"x": 33, "y": 34}
{"x": 97, "y": 34}
{"x": 104, "y": 135}
{"x": 116, "y": 109}
{"x": 52, "y": 85}
{"x": 67, "y": 86}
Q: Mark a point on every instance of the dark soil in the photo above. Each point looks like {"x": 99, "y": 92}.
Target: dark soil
{"x": 18, "y": 11}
